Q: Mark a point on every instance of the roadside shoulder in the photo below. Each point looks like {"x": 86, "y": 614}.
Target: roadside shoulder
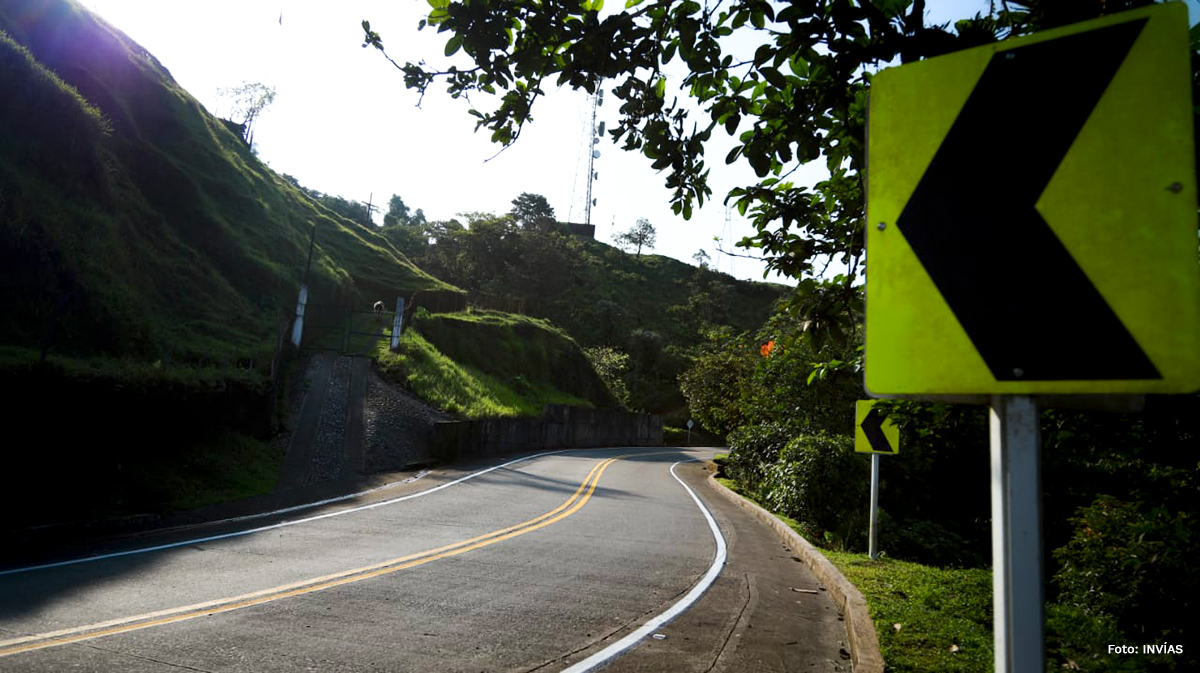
{"x": 860, "y": 630}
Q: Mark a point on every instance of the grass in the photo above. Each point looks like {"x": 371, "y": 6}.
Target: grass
{"x": 128, "y": 372}
{"x": 115, "y": 437}
{"x": 139, "y": 226}
{"x": 929, "y": 620}
{"x": 462, "y": 389}
{"x": 222, "y": 468}
{"x": 177, "y": 473}
{"x": 526, "y": 355}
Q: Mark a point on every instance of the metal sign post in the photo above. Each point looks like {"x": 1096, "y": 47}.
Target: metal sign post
{"x": 877, "y": 436}
{"x": 873, "y": 542}
{"x": 1016, "y": 534}
{"x": 689, "y": 439}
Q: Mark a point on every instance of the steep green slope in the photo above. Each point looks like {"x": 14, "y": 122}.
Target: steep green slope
{"x": 650, "y": 310}
{"x": 133, "y": 224}
{"x": 488, "y": 364}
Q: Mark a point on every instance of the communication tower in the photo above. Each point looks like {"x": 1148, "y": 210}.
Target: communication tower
{"x": 594, "y": 133}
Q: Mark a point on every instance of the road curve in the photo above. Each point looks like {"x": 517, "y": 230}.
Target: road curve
{"x": 528, "y": 566}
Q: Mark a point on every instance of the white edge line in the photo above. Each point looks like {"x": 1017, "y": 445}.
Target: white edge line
{"x": 282, "y": 524}
{"x": 619, "y": 647}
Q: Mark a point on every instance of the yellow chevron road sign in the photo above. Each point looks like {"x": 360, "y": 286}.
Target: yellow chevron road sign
{"x": 1032, "y": 218}
{"x": 872, "y": 432}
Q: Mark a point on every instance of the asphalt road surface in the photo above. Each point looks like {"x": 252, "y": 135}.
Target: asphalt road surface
{"x": 546, "y": 563}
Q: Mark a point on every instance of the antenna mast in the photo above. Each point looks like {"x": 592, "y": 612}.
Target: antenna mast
{"x": 594, "y": 133}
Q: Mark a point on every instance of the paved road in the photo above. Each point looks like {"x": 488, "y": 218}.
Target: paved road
{"x": 538, "y": 564}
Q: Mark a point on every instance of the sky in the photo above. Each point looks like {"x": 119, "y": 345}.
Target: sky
{"x": 344, "y": 124}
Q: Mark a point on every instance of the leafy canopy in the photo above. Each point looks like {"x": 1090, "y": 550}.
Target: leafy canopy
{"x": 247, "y": 101}
{"x": 533, "y": 211}
{"x": 641, "y": 234}
{"x": 797, "y": 95}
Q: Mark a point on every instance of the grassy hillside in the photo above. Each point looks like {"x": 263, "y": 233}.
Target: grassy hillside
{"x": 156, "y": 262}
{"x": 650, "y": 310}
{"x": 133, "y": 224}
{"x": 488, "y": 364}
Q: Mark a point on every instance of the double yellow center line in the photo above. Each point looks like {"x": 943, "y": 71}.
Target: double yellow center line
{"x": 169, "y": 616}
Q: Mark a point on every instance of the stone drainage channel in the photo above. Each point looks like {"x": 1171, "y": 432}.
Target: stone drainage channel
{"x": 351, "y": 422}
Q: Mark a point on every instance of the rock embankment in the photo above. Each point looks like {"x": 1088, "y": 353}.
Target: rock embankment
{"x": 397, "y": 426}
{"x": 342, "y": 427}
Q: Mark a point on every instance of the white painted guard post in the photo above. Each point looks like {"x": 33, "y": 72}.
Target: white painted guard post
{"x": 397, "y": 323}
{"x": 298, "y": 326}
{"x": 1017, "y": 534}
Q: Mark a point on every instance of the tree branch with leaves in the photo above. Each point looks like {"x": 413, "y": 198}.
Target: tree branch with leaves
{"x": 801, "y": 97}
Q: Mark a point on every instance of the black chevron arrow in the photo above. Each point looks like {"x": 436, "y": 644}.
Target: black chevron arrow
{"x": 1029, "y": 309}
{"x": 872, "y": 427}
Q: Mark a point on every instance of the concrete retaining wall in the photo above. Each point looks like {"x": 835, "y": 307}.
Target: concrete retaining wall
{"x": 560, "y": 426}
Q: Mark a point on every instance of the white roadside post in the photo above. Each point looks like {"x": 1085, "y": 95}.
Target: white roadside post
{"x": 397, "y": 323}
{"x": 298, "y": 326}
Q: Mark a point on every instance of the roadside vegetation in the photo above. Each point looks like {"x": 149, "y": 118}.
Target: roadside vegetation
{"x": 1118, "y": 503}
{"x": 639, "y": 316}
{"x": 151, "y": 265}
{"x": 136, "y": 226}
{"x": 449, "y": 370}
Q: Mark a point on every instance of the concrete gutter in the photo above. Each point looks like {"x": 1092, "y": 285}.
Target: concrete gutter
{"x": 860, "y": 630}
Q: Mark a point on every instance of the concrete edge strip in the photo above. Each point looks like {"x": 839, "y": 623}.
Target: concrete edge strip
{"x": 282, "y": 524}
{"x": 616, "y": 649}
{"x": 860, "y": 629}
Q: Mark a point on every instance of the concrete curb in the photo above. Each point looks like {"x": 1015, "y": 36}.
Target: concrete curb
{"x": 860, "y": 630}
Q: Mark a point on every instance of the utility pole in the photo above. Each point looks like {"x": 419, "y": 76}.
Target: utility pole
{"x": 370, "y": 208}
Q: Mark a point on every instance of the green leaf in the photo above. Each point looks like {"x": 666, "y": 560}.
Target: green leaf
{"x": 891, "y": 8}
{"x": 799, "y": 66}
{"x": 763, "y": 54}
{"x": 452, "y": 45}
{"x": 438, "y": 4}
{"x": 774, "y": 77}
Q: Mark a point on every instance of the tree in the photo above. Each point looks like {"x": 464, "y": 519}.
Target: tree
{"x": 248, "y": 101}
{"x": 701, "y": 259}
{"x": 799, "y": 97}
{"x": 533, "y": 212}
{"x": 640, "y": 234}
{"x": 398, "y": 212}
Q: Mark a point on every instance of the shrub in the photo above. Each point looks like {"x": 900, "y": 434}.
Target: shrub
{"x": 927, "y": 543}
{"x": 752, "y": 450}
{"x": 1078, "y": 641}
{"x": 820, "y": 482}
{"x": 1132, "y": 562}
